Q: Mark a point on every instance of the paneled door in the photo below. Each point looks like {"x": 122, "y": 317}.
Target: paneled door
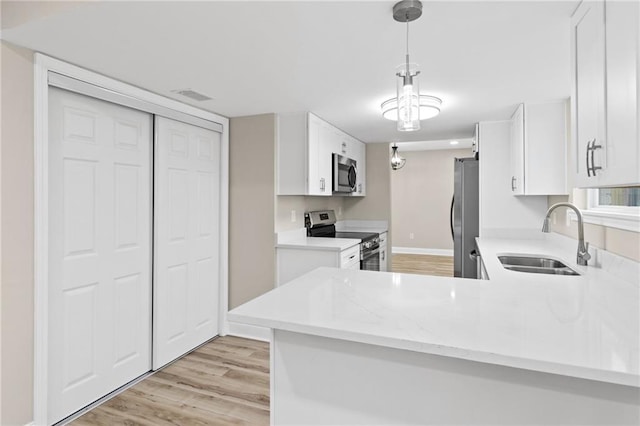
{"x": 186, "y": 222}
{"x": 99, "y": 249}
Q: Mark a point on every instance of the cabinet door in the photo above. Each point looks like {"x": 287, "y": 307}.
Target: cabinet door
{"x": 545, "y": 148}
{"x": 517, "y": 151}
{"x": 622, "y": 148}
{"x": 589, "y": 91}
{"x": 325, "y": 158}
{"x": 316, "y": 170}
{"x": 383, "y": 252}
{"x": 362, "y": 169}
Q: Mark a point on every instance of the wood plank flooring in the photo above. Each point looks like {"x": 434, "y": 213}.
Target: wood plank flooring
{"x": 225, "y": 382}
{"x": 422, "y": 264}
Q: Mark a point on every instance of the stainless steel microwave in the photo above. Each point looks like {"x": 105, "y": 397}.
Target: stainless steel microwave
{"x": 345, "y": 174}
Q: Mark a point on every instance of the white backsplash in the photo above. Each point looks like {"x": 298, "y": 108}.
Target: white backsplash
{"x": 621, "y": 267}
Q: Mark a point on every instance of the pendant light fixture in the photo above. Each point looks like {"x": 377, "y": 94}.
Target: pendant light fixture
{"x": 397, "y": 162}
{"x": 409, "y": 107}
{"x": 408, "y": 93}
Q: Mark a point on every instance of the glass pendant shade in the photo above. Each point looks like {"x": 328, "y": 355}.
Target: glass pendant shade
{"x": 408, "y": 97}
{"x": 397, "y": 162}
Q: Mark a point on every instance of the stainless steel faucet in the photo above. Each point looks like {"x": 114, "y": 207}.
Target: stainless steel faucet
{"x": 583, "y": 248}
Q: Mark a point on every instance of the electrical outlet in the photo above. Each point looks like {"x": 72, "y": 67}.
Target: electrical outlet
{"x": 411, "y": 235}
{"x": 339, "y": 210}
{"x": 553, "y": 218}
{"x": 293, "y": 215}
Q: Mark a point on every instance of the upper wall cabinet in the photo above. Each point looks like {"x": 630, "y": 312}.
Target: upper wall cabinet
{"x": 605, "y": 51}
{"x": 305, "y": 148}
{"x": 539, "y": 149}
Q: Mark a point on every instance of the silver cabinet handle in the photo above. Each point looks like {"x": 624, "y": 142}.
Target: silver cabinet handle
{"x": 322, "y": 184}
{"x": 593, "y": 164}
{"x": 587, "y": 156}
{"x": 513, "y": 183}
{"x": 591, "y": 147}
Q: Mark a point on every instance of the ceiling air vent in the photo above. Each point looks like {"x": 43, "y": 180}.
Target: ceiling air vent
{"x": 192, "y": 94}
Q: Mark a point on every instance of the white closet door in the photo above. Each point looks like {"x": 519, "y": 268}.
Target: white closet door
{"x": 186, "y": 221}
{"x": 99, "y": 249}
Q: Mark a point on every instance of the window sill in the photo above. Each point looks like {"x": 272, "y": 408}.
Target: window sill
{"x": 609, "y": 218}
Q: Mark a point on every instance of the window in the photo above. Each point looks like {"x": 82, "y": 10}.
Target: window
{"x": 623, "y": 197}
{"x": 614, "y": 208}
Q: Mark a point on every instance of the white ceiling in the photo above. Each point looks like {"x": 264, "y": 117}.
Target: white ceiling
{"x": 336, "y": 59}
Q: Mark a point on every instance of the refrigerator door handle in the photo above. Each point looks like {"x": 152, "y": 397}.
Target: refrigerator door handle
{"x": 453, "y": 198}
{"x": 473, "y": 255}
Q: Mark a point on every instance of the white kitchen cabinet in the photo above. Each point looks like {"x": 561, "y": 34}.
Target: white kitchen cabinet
{"x": 538, "y": 149}
{"x": 360, "y": 155}
{"x": 293, "y": 261}
{"x": 622, "y": 56}
{"x": 482, "y": 270}
{"x": 475, "y": 142}
{"x": 350, "y": 258}
{"x": 605, "y": 54}
{"x": 303, "y": 155}
{"x": 517, "y": 151}
{"x": 305, "y": 144}
{"x": 502, "y": 214}
{"x": 383, "y": 252}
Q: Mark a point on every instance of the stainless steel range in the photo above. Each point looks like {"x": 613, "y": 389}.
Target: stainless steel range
{"x": 322, "y": 224}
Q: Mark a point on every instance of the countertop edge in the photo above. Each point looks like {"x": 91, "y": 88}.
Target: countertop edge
{"x": 586, "y": 373}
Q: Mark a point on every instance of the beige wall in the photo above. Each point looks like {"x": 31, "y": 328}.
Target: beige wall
{"x": 251, "y": 207}
{"x": 376, "y": 205}
{"x": 285, "y": 204}
{"x": 17, "y": 235}
{"x": 421, "y": 199}
{"x": 618, "y": 241}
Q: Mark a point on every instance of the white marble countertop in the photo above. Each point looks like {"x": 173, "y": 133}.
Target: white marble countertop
{"x": 319, "y": 243}
{"x": 586, "y": 326}
{"x": 378, "y": 226}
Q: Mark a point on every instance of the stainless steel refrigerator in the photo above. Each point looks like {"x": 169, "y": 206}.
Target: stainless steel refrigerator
{"x": 465, "y": 217}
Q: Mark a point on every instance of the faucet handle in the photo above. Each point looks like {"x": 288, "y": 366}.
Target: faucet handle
{"x": 586, "y": 255}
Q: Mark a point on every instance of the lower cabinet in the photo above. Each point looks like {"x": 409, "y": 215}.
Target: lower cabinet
{"x": 292, "y": 262}
{"x": 383, "y": 252}
{"x": 482, "y": 271}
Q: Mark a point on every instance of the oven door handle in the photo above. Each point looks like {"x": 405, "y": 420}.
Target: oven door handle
{"x": 370, "y": 253}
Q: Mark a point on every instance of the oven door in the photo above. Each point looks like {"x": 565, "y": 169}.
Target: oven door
{"x": 345, "y": 174}
{"x": 370, "y": 260}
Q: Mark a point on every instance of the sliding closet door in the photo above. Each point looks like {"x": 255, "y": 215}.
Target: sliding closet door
{"x": 99, "y": 249}
{"x": 187, "y": 204}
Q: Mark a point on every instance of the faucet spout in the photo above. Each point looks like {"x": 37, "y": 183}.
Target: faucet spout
{"x": 583, "y": 248}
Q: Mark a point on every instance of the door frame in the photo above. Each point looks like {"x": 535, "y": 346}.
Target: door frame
{"x": 42, "y": 65}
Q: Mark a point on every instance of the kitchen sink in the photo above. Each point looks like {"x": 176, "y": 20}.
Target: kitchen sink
{"x": 535, "y": 265}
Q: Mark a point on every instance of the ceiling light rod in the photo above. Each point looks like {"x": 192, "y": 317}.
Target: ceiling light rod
{"x": 408, "y": 94}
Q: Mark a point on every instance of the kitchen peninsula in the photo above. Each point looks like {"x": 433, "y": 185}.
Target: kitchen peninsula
{"x": 360, "y": 347}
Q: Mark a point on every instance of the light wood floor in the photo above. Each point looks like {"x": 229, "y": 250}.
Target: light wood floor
{"x": 422, "y": 264}
{"x": 225, "y": 382}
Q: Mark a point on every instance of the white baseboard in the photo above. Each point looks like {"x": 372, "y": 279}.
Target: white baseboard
{"x": 414, "y": 250}
{"x": 249, "y": 331}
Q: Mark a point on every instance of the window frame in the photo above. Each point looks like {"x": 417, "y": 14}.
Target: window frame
{"x": 619, "y": 217}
